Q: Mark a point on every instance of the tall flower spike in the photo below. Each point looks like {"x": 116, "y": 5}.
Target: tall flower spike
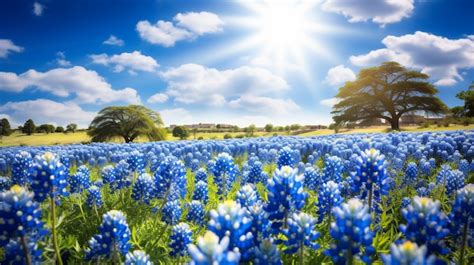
{"x": 285, "y": 157}
{"x": 300, "y": 233}
{"x": 411, "y": 174}
{"x": 425, "y": 224}
{"x": 48, "y": 177}
{"x": 454, "y": 181}
{"x": 201, "y": 192}
{"x": 333, "y": 169}
{"x": 267, "y": 254}
{"x": 462, "y": 219}
{"x": 231, "y": 220}
{"x": 180, "y": 239}
{"x": 94, "y": 197}
{"x": 212, "y": 250}
{"x": 261, "y": 226}
{"x": 137, "y": 257}
{"x": 351, "y": 232}
{"x": 225, "y": 172}
{"x": 113, "y": 238}
{"x": 247, "y": 195}
{"x": 408, "y": 253}
{"x": 171, "y": 212}
{"x": 143, "y": 189}
{"x": 285, "y": 195}
{"x": 196, "y": 213}
{"x": 21, "y": 165}
{"x": 328, "y": 198}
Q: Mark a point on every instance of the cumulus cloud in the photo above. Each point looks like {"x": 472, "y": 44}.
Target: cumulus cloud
{"x": 176, "y": 116}
{"x": 38, "y": 9}
{"x": 46, "y": 111}
{"x": 329, "y": 102}
{"x": 437, "y": 56}
{"x": 87, "y": 86}
{"x": 61, "y": 60}
{"x": 158, "y": 98}
{"x": 114, "y": 41}
{"x": 7, "y": 47}
{"x": 381, "y": 11}
{"x": 188, "y": 26}
{"x": 134, "y": 61}
{"x": 193, "y": 83}
{"x": 264, "y": 104}
{"x": 339, "y": 75}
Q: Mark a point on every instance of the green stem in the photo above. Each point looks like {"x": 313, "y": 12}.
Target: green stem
{"x": 24, "y": 246}
{"x": 463, "y": 243}
{"x": 116, "y": 256}
{"x": 160, "y": 236}
{"x": 54, "y": 232}
{"x": 82, "y": 210}
{"x": 301, "y": 253}
{"x": 349, "y": 255}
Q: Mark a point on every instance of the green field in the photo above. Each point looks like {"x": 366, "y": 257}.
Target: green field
{"x": 81, "y": 137}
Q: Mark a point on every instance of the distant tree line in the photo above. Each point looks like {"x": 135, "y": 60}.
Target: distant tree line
{"x": 29, "y": 128}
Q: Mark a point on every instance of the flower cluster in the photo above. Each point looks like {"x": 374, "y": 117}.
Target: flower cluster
{"x": 225, "y": 172}
{"x": 301, "y": 232}
{"x": 328, "y": 198}
{"x": 285, "y": 157}
{"x": 201, "y": 191}
{"x": 21, "y": 168}
{"x": 409, "y": 253}
{"x": 94, "y": 197}
{"x": 462, "y": 215}
{"x": 180, "y": 239}
{"x": 137, "y": 257}
{"x": 247, "y": 195}
{"x": 211, "y": 249}
{"x": 171, "y": 212}
{"x": 196, "y": 213}
{"x": 48, "y": 177}
{"x": 143, "y": 188}
{"x": 333, "y": 169}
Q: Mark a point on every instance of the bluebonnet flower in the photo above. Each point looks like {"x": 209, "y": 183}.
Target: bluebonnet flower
{"x": 225, "y": 172}
{"x": 21, "y": 165}
{"x": 201, "y": 175}
{"x": 94, "y": 197}
{"x": 201, "y": 192}
{"x": 411, "y": 173}
{"x": 15, "y": 255}
{"x": 312, "y": 178}
{"x": 79, "y": 181}
{"x": 371, "y": 181}
{"x": 180, "y": 238}
{"x": 425, "y": 168}
{"x": 20, "y": 215}
{"x": 194, "y": 165}
{"x": 171, "y": 175}
{"x": 137, "y": 257}
{"x": 328, "y": 198}
{"x": 443, "y": 174}
{"x": 108, "y": 174}
{"x": 405, "y": 202}
{"x": 409, "y": 253}
{"x": 48, "y": 177}
{"x": 425, "y": 224}
{"x": 233, "y": 221}
{"x": 171, "y": 212}
{"x": 114, "y": 235}
{"x": 300, "y": 232}
{"x": 267, "y": 253}
{"x": 122, "y": 176}
{"x": 143, "y": 188}
{"x": 261, "y": 226}
{"x": 196, "y": 213}
{"x": 464, "y": 166}
{"x": 285, "y": 157}
{"x": 333, "y": 168}
{"x": 211, "y": 250}
{"x": 285, "y": 195}
{"x": 255, "y": 173}
{"x": 454, "y": 181}
{"x": 351, "y": 231}
{"x": 247, "y": 195}
{"x": 462, "y": 217}
{"x": 423, "y": 192}
{"x": 136, "y": 161}
{"x": 5, "y": 183}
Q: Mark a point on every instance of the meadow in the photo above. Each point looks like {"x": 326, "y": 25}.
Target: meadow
{"x": 382, "y": 198}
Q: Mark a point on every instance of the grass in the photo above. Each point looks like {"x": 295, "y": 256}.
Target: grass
{"x": 17, "y": 139}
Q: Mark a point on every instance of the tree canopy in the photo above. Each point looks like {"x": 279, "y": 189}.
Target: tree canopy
{"x": 468, "y": 109}
{"x": 181, "y": 132}
{"x": 386, "y": 92}
{"x": 127, "y": 122}
{"x": 29, "y": 127}
{"x": 5, "y": 128}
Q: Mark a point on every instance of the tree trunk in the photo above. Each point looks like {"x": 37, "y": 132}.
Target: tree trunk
{"x": 395, "y": 123}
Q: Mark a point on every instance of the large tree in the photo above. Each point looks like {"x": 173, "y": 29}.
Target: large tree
{"x": 181, "y": 132}
{"x": 386, "y": 92}
{"x": 468, "y": 97}
{"x": 127, "y": 122}
{"x": 29, "y": 127}
{"x": 5, "y": 128}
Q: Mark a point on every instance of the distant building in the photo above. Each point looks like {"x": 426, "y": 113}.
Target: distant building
{"x": 412, "y": 119}
{"x": 314, "y": 127}
{"x": 224, "y": 126}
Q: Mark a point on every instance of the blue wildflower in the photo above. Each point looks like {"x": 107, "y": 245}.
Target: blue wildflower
{"x": 108, "y": 174}
{"x": 113, "y": 238}
{"x": 201, "y": 175}
{"x": 411, "y": 173}
{"x": 300, "y": 233}
{"x": 171, "y": 175}
{"x": 285, "y": 157}
{"x": 409, "y": 253}
{"x": 351, "y": 232}
{"x": 48, "y": 177}
{"x": 21, "y": 165}
{"x": 137, "y": 257}
{"x": 333, "y": 169}
{"x": 247, "y": 195}
{"x": 425, "y": 224}
{"x": 464, "y": 166}
{"x": 136, "y": 161}
{"x": 143, "y": 188}
{"x": 180, "y": 239}
{"x": 462, "y": 218}
{"x": 454, "y": 181}
{"x": 5, "y": 183}
{"x": 312, "y": 178}
{"x": 267, "y": 253}
{"x": 201, "y": 192}
{"x": 328, "y": 198}
{"x": 225, "y": 172}
{"x": 211, "y": 250}
{"x": 196, "y": 213}
{"x": 94, "y": 197}
{"x": 78, "y": 182}
{"x": 15, "y": 255}
{"x": 171, "y": 212}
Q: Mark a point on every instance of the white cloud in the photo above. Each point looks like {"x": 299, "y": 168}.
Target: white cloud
{"x": 112, "y": 40}
{"x": 329, "y": 102}
{"x": 188, "y": 27}
{"x": 46, "y": 111}
{"x": 440, "y": 57}
{"x": 176, "y": 116}
{"x": 193, "y": 83}
{"x": 87, "y": 86}
{"x": 199, "y": 23}
{"x": 38, "y": 9}
{"x": 158, "y": 98}
{"x": 379, "y": 11}
{"x": 134, "y": 61}
{"x": 61, "y": 60}
{"x": 264, "y": 105}
{"x": 339, "y": 75}
{"x": 7, "y": 47}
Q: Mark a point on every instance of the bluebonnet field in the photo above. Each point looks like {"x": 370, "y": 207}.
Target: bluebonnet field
{"x": 399, "y": 198}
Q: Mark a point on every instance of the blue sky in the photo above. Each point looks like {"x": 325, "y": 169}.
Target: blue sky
{"x": 237, "y": 62}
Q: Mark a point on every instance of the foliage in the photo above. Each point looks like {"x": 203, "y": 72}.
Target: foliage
{"x": 181, "y": 132}
{"x": 45, "y": 128}
{"x": 127, "y": 122}
{"x": 268, "y": 127}
{"x": 5, "y": 128}
{"x": 29, "y": 127}
{"x": 72, "y": 127}
{"x": 386, "y": 92}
